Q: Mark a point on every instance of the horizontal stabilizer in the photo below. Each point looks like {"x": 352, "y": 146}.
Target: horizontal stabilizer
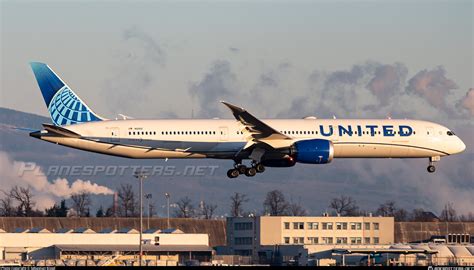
{"x": 61, "y": 131}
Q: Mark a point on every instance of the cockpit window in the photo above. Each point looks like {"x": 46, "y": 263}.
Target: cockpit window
{"x": 450, "y": 133}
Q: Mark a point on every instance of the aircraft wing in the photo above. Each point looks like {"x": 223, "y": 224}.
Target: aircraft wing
{"x": 258, "y": 131}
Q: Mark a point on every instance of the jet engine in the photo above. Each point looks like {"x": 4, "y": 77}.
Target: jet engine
{"x": 314, "y": 151}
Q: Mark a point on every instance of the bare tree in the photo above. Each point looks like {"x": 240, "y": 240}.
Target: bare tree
{"x": 467, "y": 218}
{"x": 24, "y": 199}
{"x": 389, "y": 209}
{"x": 128, "y": 204}
{"x": 236, "y": 204}
{"x": 344, "y": 205}
{"x": 6, "y": 207}
{"x": 81, "y": 202}
{"x": 185, "y": 208}
{"x": 449, "y": 213}
{"x": 386, "y": 209}
{"x": 295, "y": 209}
{"x": 401, "y": 215}
{"x": 417, "y": 214}
{"x": 275, "y": 203}
{"x": 208, "y": 210}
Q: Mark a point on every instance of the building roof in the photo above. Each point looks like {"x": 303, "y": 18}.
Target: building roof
{"x": 172, "y": 230}
{"x": 152, "y": 231}
{"x": 83, "y": 230}
{"x": 374, "y": 250}
{"x": 127, "y": 230}
{"x": 64, "y": 230}
{"x": 39, "y": 230}
{"x": 108, "y": 230}
{"x": 124, "y": 248}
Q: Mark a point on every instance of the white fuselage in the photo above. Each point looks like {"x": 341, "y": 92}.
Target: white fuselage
{"x": 223, "y": 138}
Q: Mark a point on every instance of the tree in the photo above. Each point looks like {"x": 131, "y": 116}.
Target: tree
{"x": 109, "y": 212}
{"x": 81, "y": 202}
{"x": 275, "y": 203}
{"x": 389, "y": 209}
{"x": 344, "y": 205}
{"x": 401, "y": 215}
{"x": 207, "y": 210}
{"x": 236, "y": 204}
{"x": 449, "y": 213}
{"x": 100, "y": 212}
{"x": 6, "y": 207}
{"x": 418, "y": 214}
{"x": 185, "y": 208}
{"x": 24, "y": 198}
{"x": 295, "y": 209}
{"x": 128, "y": 204}
{"x": 386, "y": 209}
{"x": 467, "y": 218}
{"x": 58, "y": 210}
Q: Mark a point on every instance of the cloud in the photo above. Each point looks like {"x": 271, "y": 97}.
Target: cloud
{"x": 388, "y": 80}
{"x": 234, "y": 49}
{"x": 151, "y": 48}
{"x": 432, "y": 85}
{"x": 366, "y": 90}
{"x": 46, "y": 193}
{"x": 467, "y": 102}
{"x": 220, "y": 83}
{"x": 139, "y": 60}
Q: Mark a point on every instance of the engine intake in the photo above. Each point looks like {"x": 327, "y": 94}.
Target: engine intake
{"x": 315, "y": 151}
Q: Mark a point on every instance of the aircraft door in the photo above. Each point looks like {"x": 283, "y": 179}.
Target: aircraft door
{"x": 430, "y": 131}
{"x": 223, "y": 134}
{"x": 114, "y": 133}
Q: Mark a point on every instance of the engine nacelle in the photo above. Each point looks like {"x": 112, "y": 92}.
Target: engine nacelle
{"x": 283, "y": 162}
{"x": 315, "y": 151}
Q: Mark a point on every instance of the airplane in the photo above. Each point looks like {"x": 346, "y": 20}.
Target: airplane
{"x": 265, "y": 142}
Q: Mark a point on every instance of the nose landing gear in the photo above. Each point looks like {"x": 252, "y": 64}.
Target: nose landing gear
{"x": 247, "y": 171}
{"x": 431, "y": 168}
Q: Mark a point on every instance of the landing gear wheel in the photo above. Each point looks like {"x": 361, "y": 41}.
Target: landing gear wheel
{"x": 250, "y": 172}
{"x": 241, "y": 168}
{"x": 260, "y": 168}
{"x": 233, "y": 173}
{"x": 431, "y": 168}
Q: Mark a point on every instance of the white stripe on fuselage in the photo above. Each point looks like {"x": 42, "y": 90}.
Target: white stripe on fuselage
{"x": 221, "y": 138}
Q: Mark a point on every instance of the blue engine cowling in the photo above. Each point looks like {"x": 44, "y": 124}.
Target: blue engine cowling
{"x": 315, "y": 151}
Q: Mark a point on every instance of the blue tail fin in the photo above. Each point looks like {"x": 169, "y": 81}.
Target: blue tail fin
{"x": 64, "y": 106}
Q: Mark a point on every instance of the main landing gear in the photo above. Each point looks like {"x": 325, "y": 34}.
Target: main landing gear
{"x": 248, "y": 171}
{"x": 431, "y": 168}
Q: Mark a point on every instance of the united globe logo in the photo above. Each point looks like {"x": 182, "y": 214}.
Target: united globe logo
{"x": 66, "y": 109}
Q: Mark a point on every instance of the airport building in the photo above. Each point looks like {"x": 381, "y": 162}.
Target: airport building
{"x": 83, "y": 246}
{"x": 327, "y": 240}
{"x": 267, "y": 240}
{"x": 246, "y": 234}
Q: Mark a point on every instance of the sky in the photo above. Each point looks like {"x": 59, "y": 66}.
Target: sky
{"x": 166, "y": 59}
